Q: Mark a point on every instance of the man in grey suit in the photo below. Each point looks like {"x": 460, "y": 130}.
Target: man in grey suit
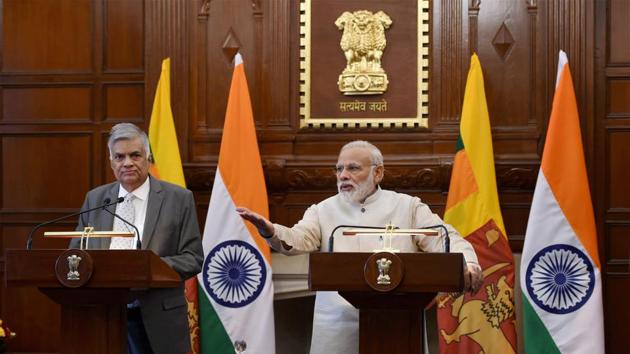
{"x": 167, "y": 221}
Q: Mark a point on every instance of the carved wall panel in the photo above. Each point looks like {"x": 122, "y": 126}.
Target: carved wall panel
{"x": 223, "y": 28}
{"x": 47, "y": 103}
{"x": 28, "y": 159}
{"x": 45, "y": 25}
{"x": 618, "y": 188}
{"x": 612, "y": 128}
{"x": 449, "y": 58}
{"x": 123, "y": 46}
{"x": 124, "y": 102}
{"x": 70, "y": 69}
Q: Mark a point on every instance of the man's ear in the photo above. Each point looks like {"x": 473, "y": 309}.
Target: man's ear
{"x": 379, "y": 173}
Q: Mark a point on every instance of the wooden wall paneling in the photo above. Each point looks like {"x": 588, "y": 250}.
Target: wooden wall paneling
{"x": 510, "y": 61}
{"x": 31, "y": 166}
{"x": 168, "y": 26}
{"x": 116, "y": 56}
{"x": 198, "y": 84}
{"x": 234, "y": 31}
{"x": 617, "y": 312}
{"x": 38, "y": 104}
{"x": 34, "y": 36}
{"x": 258, "y": 16}
{"x": 102, "y": 159}
{"x": 617, "y": 103}
{"x": 124, "y": 40}
{"x": 617, "y": 165}
{"x": 618, "y": 50}
{"x": 618, "y": 245}
{"x": 124, "y": 102}
{"x": 449, "y": 60}
{"x": 612, "y": 61}
{"x": 570, "y": 28}
{"x": 217, "y": 28}
{"x": 275, "y": 80}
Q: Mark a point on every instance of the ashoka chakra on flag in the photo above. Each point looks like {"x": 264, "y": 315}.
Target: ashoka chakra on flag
{"x": 560, "y": 279}
{"x": 234, "y": 273}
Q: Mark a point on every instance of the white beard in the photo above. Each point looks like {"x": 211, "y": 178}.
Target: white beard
{"x": 359, "y": 191}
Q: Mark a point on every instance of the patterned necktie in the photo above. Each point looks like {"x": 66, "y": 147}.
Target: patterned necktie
{"x": 126, "y": 211}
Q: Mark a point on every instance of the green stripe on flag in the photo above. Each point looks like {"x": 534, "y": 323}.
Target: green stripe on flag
{"x": 537, "y": 337}
{"x": 460, "y": 143}
{"x": 214, "y": 338}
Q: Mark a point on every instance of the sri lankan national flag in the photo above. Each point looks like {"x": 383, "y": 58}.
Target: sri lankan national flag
{"x": 167, "y": 166}
{"x": 484, "y": 322}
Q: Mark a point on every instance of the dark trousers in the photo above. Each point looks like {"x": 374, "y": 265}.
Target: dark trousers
{"x": 137, "y": 340}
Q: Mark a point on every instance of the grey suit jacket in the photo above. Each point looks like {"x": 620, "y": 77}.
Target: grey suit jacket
{"x": 172, "y": 232}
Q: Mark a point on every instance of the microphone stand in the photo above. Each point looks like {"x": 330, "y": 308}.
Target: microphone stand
{"x": 447, "y": 239}
{"x": 29, "y": 239}
{"x": 138, "y": 243}
{"x": 331, "y": 239}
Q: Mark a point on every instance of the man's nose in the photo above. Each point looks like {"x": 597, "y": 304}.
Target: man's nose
{"x": 344, "y": 175}
{"x": 128, "y": 161}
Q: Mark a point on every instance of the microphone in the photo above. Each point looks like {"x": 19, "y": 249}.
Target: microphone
{"x": 107, "y": 202}
{"x": 447, "y": 239}
{"x": 138, "y": 243}
{"x": 331, "y": 239}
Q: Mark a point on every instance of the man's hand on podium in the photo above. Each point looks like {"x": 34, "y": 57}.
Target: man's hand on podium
{"x": 473, "y": 277}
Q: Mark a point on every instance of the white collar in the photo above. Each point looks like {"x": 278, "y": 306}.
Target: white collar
{"x": 141, "y": 192}
{"x": 374, "y": 196}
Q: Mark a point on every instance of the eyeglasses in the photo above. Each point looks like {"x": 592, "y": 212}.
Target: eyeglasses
{"x": 352, "y": 168}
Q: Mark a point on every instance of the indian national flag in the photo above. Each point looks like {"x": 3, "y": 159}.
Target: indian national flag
{"x": 560, "y": 268}
{"x": 236, "y": 301}
{"x": 481, "y": 323}
{"x": 167, "y": 166}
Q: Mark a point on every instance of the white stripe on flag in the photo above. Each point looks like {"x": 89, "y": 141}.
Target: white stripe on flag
{"x": 251, "y": 322}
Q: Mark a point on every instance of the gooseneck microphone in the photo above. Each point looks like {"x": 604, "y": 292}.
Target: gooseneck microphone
{"x": 331, "y": 239}
{"x": 137, "y": 237}
{"x": 107, "y": 202}
{"x": 447, "y": 239}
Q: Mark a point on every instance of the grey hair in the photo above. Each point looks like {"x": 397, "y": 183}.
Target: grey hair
{"x": 376, "y": 158}
{"x": 128, "y": 131}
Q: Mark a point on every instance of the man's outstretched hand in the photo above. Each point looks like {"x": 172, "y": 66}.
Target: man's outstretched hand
{"x": 264, "y": 226}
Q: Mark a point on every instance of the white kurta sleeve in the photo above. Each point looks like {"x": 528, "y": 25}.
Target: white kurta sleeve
{"x": 303, "y": 237}
{"x": 422, "y": 217}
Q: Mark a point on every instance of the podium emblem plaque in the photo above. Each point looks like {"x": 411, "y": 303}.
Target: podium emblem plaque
{"x": 73, "y": 268}
{"x": 383, "y": 271}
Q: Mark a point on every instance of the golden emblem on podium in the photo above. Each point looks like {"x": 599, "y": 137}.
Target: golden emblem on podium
{"x": 363, "y": 43}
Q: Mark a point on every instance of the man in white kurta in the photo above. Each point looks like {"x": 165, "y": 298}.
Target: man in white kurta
{"x": 361, "y": 202}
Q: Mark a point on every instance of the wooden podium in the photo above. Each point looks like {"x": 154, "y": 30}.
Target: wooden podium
{"x": 391, "y": 313}
{"x": 93, "y": 307}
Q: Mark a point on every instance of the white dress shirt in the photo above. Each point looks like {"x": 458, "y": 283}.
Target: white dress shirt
{"x": 140, "y": 203}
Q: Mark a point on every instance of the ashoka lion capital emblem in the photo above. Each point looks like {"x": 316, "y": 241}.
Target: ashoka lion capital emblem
{"x": 363, "y": 42}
